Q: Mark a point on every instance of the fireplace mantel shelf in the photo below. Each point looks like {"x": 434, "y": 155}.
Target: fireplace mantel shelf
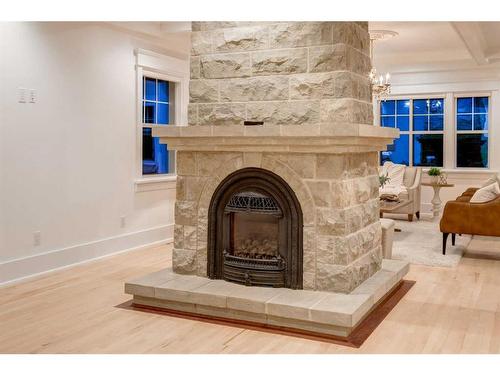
{"x": 277, "y": 138}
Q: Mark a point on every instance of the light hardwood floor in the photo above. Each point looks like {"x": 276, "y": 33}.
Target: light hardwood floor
{"x": 449, "y": 310}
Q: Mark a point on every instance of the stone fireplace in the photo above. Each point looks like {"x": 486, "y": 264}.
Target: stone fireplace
{"x": 277, "y": 181}
{"x": 307, "y": 83}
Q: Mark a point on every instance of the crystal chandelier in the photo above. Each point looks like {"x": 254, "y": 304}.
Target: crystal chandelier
{"x": 381, "y": 85}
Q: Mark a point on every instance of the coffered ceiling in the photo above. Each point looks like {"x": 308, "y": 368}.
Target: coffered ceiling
{"x": 438, "y": 46}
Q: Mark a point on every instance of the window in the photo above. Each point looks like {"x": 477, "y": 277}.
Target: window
{"x": 157, "y": 109}
{"x": 421, "y": 125}
{"x": 472, "y": 118}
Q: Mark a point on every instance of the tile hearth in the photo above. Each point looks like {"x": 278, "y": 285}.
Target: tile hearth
{"x": 314, "y": 311}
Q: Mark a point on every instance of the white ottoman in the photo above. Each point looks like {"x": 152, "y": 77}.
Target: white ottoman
{"x": 387, "y": 237}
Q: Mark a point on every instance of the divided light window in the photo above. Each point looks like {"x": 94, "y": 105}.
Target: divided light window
{"x": 472, "y": 115}
{"x": 421, "y": 125}
{"x": 157, "y": 109}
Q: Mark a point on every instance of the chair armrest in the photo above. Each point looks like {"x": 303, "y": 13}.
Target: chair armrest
{"x": 414, "y": 190}
{"x": 416, "y": 181}
{"x": 455, "y": 218}
{"x": 485, "y": 217}
{"x": 471, "y": 218}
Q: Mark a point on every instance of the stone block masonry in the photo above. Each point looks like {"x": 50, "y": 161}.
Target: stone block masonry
{"x": 282, "y": 73}
{"x": 308, "y": 82}
{"x": 339, "y": 199}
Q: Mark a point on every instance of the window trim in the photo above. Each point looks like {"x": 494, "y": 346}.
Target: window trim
{"x": 141, "y": 124}
{"x": 450, "y": 132}
{"x": 412, "y": 132}
{"x": 456, "y": 132}
{"x": 154, "y": 65}
{"x": 169, "y": 103}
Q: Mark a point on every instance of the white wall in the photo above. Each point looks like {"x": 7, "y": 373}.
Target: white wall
{"x": 68, "y": 162}
{"x": 449, "y": 82}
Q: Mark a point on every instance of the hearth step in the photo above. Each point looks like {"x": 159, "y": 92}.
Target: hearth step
{"x": 322, "y": 312}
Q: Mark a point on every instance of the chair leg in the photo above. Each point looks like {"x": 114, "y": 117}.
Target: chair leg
{"x": 453, "y": 239}
{"x": 417, "y": 214}
{"x": 445, "y": 237}
{"x": 410, "y": 217}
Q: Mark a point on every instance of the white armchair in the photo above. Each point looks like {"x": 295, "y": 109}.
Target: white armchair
{"x": 411, "y": 180}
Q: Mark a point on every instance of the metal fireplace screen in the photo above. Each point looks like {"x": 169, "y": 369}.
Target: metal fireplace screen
{"x": 253, "y": 201}
{"x": 253, "y": 256}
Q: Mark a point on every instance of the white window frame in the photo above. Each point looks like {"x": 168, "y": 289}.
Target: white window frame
{"x": 456, "y": 132}
{"x": 141, "y": 124}
{"x": 450, "y": 132}
{"x": 412, "y": 132}
{"x": 170, "y": 103}
{"x": 167, "y": 68}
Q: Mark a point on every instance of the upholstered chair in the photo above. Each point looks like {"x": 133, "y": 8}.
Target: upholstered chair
{"x": 412, "y": 179}
{"x": 463, "y": 217}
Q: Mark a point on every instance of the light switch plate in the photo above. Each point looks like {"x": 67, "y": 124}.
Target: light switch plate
{"x": 21, "y": 94}
{"x": 32, "y": 96}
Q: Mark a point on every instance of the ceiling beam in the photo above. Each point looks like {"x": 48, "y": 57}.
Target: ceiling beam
{"x": 471, "y": 35}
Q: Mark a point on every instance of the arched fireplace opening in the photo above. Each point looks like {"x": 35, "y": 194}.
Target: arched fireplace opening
{"x": 255, "y": 231}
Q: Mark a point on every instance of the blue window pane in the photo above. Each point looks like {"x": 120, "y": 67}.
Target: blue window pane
{"x": 162, "y": 91}
{"x": 154, "y": 154}
{"x": 428, "y": 150}
{"x": 148, "y": 112}
{"x": 403, "y": 123}
{"x": 420, "y": 107}
{"x": 161, "y": 156}
{"x": 403, "y": 107}
{"x": 481, "y": 105}
{"x": 398, "y": 152}
{"x": 481, "y": 122}
{"x": 387, "y": 122}
{"x": 162, "y": 113}
{"x": 464, "y": 122}
{"x": 464, "y": 105}
{"x": 472, "y": 150}
{"x": 149, "y": 89}
{"x": 436, "y": 106}
{"x": 436, "y": 122}
{"x": 387, "y": 107}
{"x": 420, "y": 123}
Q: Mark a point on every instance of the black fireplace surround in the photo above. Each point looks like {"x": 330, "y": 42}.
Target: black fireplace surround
{"x": 255, "y": 231}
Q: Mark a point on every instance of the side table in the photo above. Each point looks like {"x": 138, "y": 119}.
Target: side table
{"x": 436, "y": 200}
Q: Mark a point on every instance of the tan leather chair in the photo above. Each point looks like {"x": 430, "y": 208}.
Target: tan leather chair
{"x": 462, "y": 217}
{"x": 411, "y": 180}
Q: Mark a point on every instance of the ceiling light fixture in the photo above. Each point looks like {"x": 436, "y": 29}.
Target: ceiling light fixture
{"x": 381, "y": 85}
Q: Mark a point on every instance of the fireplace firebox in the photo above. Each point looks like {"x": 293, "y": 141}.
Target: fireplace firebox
{"x": 255, "y": 231}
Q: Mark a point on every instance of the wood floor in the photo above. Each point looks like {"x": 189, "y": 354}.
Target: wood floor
{"x": 449, "y": 310}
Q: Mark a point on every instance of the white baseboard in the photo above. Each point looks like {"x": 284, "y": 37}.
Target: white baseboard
{"x": 20, "y": 269}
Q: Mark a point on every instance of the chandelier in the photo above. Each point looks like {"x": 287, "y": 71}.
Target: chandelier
{"x": 381, "y": 85}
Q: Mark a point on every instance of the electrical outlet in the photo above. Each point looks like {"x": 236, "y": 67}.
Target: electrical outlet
{"x": 37, "y": 238}
{"x": 32, "y": 96}
{"x": 21, "y": 94}
{"x": 122, "y": 222}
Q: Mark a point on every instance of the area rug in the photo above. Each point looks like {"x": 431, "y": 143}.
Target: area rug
{"x": 420, "y": 242}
